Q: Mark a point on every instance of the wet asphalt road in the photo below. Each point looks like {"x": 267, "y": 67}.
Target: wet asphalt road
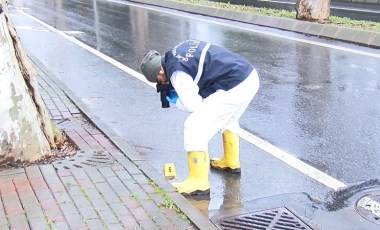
{"x": 317, "y": 103}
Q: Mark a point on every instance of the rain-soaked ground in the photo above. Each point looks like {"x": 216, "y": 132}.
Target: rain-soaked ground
{"x": 316, "y": 102}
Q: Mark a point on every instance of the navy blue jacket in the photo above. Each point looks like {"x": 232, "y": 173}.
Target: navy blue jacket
{"x": 212, "y": 67}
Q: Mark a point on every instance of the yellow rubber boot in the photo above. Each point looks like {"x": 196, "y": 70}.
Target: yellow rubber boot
{"x": 230, "y": 159}
{"x": 196, "y": 182}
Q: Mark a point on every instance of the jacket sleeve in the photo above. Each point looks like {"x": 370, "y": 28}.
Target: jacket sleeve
{"x": 189, "y": 99}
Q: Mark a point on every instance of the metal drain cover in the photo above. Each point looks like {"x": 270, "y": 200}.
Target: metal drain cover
{"x": 369, "y": 207}
{"x": 278, "y": 218}
{"x": 86, "y": 159}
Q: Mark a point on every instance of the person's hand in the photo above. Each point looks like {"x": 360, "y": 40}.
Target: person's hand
{"x": 173, "y": 96}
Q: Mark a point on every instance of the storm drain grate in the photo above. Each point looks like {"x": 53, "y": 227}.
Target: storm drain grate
{"x": 86, "y": 159}
{"x": 279, "y": 218}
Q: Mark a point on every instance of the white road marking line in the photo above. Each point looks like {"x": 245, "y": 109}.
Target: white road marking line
{"x": 271, "y": 149}
{"x": 292, "y": 161}
{"x": 256, "y": 31}
{"x": 73, "y": 32}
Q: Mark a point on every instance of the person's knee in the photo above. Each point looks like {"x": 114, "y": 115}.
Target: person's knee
{"x": 233, "y": 128}
{"x": 195, "y": 136}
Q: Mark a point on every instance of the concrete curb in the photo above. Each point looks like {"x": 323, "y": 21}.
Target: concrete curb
{"x": 195, "y": 216}
{"x": 355, "y": 36}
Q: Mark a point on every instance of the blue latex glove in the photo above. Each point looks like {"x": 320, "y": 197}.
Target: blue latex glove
{"x": 173, "y": 96}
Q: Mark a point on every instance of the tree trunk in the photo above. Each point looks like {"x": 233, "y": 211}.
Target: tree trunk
{"x": 26, "y": 132}
{"x": 312, "y": 10}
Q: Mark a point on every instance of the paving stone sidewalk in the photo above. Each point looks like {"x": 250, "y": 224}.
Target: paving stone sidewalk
{"x": 98, "y": 188}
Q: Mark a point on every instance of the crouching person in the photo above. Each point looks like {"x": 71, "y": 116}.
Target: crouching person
{"x": 216, "y": 86}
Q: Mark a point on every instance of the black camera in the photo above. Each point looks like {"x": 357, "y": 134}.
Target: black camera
{"x": 164, "y": 89}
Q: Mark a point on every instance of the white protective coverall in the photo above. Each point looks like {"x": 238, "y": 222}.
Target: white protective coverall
{"x": 220, "y": 110}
